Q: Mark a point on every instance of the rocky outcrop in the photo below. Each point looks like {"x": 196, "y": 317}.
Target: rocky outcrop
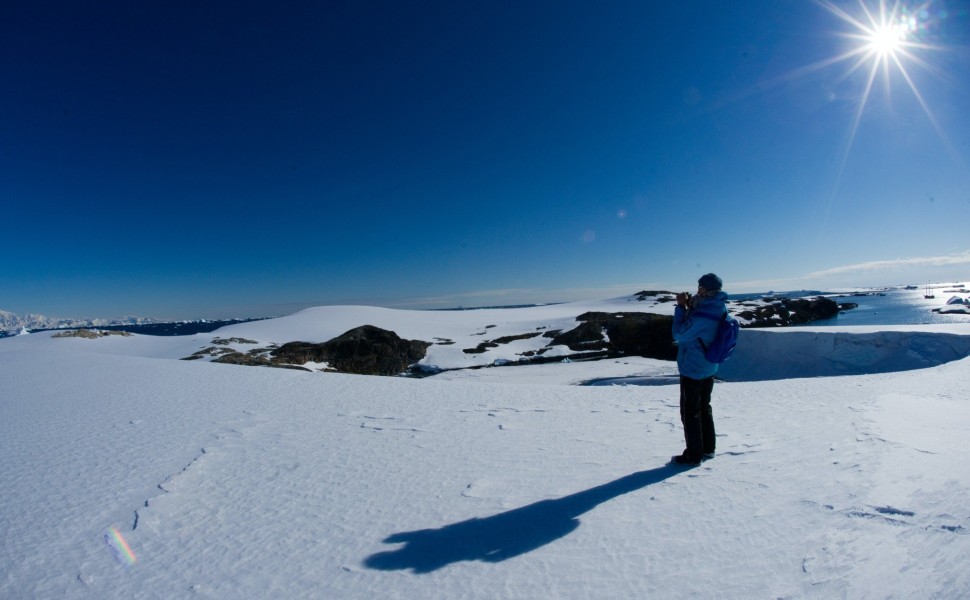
{"x": 485, "y": 346}
{"x": 249, "y": 359}
{"x": 89, "y": 334}
{"x": 660, "y": 296}
{"x": 780, "y": 312}
{"x": 617, "y": 334}
{"x": 366, "y": 350}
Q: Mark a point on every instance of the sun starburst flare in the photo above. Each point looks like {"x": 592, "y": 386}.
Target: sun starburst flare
{"x": 888, "y": 39}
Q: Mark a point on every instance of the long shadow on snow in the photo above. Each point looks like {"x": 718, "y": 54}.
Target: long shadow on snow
{"x": 505, "y": 535}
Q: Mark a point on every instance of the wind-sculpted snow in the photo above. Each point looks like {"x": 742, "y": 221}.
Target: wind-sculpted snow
{"x": 236, "y": 482}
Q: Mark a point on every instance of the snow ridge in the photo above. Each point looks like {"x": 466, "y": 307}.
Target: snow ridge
{"x": 168, "y": 481}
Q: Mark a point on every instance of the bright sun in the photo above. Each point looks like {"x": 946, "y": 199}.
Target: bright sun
{"x": 887, "y": 38}
{"x": 883, "y": 35}
{"x": 891, "y": 39}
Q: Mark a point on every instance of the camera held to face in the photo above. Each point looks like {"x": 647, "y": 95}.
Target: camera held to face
{"x": 683, "y": 299}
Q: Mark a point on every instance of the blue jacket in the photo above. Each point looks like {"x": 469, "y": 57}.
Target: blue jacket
{"x": 687, "y": 331}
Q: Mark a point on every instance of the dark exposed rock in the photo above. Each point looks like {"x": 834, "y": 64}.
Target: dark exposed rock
{"x": 210, "y": 351}
{"x": 366, "y": 350}
{"x": 90, "y": 334}
{"x": 658, "y": 296}
{"x": 481, "y": 348}
{"x": 641, "y": 334}
{"x": 484, "y": 346}
{"x": 234, "y": 340}
{"x": 253, "y": 360}
{"x": 587, "y": 336}
{"x": 512, "y": 338}
{"x": 781, "y": 312}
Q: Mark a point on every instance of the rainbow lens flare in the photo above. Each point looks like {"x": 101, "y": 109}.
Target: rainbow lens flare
{"x": 120, "y": 547}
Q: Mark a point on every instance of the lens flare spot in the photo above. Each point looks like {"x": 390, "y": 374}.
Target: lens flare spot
{"x": 119, "y": 546}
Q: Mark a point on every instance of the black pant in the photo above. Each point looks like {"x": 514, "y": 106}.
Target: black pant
{"x": 696, "y": 415}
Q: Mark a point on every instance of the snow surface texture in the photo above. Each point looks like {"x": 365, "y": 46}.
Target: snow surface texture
{"x": 239, "y": 482}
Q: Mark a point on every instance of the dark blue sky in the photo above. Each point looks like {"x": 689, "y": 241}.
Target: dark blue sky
{"x": 206, "y": 159}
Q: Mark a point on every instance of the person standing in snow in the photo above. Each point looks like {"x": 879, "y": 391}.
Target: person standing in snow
{"x": 693, "y": 334}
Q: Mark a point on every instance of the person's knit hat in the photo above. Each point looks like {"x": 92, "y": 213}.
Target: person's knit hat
{"x": 710, "y": 282}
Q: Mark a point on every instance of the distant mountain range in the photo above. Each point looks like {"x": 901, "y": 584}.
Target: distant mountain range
{"x": 12, "y": 323}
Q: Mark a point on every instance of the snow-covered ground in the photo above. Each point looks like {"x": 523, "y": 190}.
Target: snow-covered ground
{"x": 226, "y": 481}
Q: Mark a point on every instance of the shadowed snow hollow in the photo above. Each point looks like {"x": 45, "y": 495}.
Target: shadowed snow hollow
{"x": 773, "y": 354}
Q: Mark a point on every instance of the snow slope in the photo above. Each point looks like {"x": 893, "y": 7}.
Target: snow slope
{"x": 241, "y": 482}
